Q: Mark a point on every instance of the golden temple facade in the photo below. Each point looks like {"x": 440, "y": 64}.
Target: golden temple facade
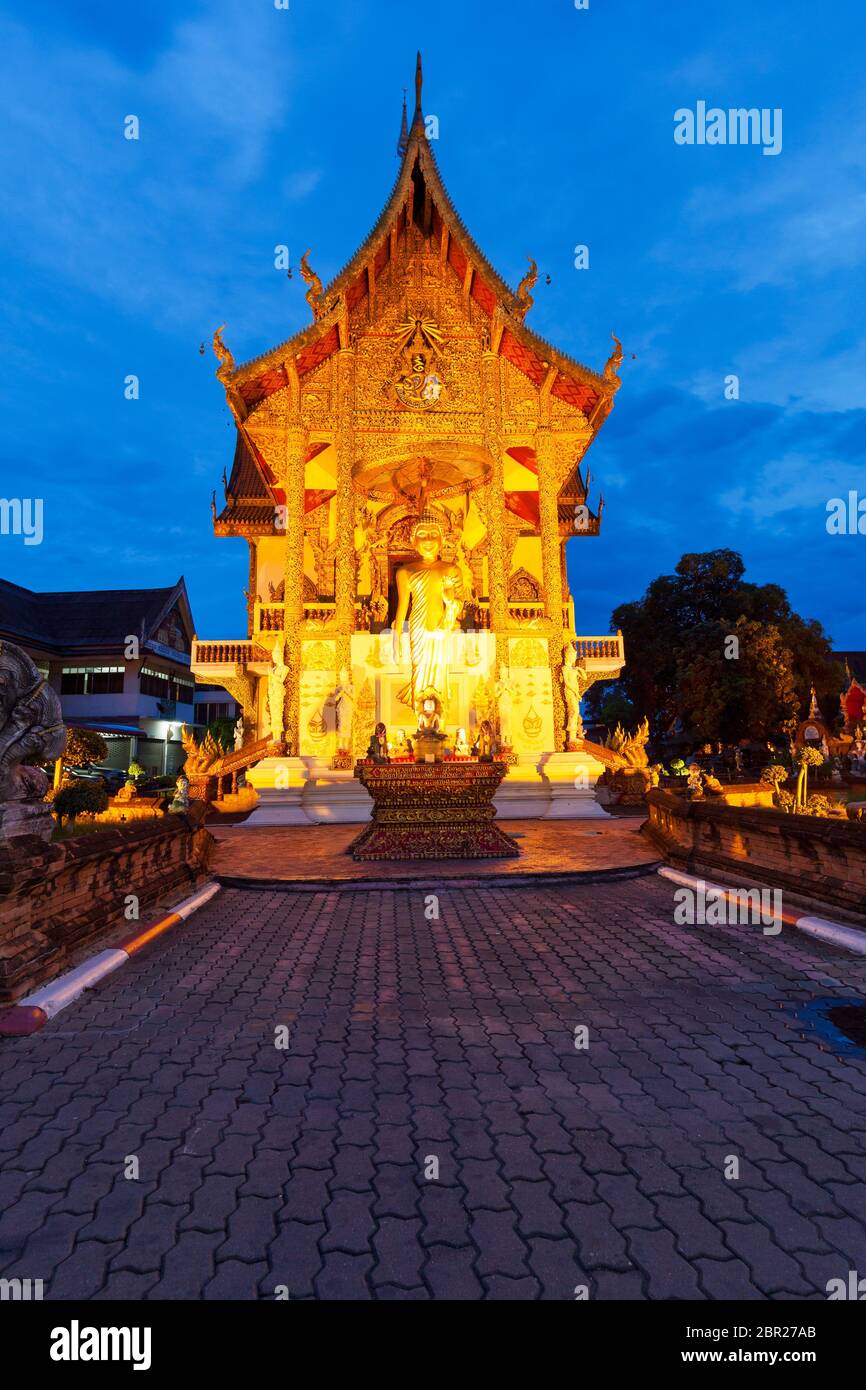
{"x": 416, "y": 389}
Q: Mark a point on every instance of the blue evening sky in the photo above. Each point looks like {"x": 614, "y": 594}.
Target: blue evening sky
{"x": 261, "y": 126}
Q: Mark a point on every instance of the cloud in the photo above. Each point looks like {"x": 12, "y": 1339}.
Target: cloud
{"x": 299, "y": 186}
{"x": 140, "y": 223}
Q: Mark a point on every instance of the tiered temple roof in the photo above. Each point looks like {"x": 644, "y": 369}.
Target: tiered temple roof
{"x": 419, "y": 196}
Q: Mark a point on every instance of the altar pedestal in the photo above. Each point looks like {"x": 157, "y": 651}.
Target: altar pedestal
{"x": 571, "y": 779}
{"x": 280, "y": 784}
{"x": 432, "y": 811}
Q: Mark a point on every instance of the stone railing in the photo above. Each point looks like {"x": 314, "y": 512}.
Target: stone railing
{"x": 321, "y": 612}
{"x": 814, "y": 860}
{"x": 525, "y": 612}
{"x": 222, "y": 653}
{"x": 270, "y": 617}
{"x": 609, "y": 648}
{"x": 60, "y": 896}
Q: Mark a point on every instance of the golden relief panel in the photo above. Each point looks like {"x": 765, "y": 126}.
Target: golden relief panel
{"x": 320, "y": 656}
{"x": 418, "y": 287}
{"x": 527, "y": 652}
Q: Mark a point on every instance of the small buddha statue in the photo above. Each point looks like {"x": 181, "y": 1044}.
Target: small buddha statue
{"x": 428, "y": 716}
{"x": 377, "y": 749}
{"x": 461, "y": 744}
{"x": 180, "y": 801}
{"x": 483, "y": 746}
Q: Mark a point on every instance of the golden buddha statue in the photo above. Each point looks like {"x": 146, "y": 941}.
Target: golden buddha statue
{"x": 435, "y": 587}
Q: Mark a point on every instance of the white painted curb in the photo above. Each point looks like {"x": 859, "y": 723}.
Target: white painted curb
{"x": 67, "y": 988}
{"x": 824, "y": 928}
{"x": 191, "y": 905}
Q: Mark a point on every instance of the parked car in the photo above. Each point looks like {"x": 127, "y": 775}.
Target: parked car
{"x": 112, "y": 777}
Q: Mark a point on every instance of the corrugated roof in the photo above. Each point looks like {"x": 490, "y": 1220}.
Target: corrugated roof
{"x": 70, "y": 620}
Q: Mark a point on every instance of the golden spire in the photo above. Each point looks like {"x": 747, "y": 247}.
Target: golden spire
{"x": 403, "y": 142}
{"x": 419, "y": 82}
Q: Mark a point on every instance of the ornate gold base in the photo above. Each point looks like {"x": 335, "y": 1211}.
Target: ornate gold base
{"x": 342, "y": 760}
{"x": 432, "y": 811}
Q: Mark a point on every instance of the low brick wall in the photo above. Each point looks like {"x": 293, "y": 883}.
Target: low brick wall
{"x": 57, "y": 897}
{"x": 819, "y": 862}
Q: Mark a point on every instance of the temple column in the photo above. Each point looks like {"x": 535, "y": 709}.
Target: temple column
{"x": 551, "y": 562}
{"x": 497, "y": 558}
{"x": 345, "y": 578}
{"x": 293, "y": 482}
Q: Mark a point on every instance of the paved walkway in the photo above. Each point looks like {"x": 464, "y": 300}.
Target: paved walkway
{"x": 449, "y": 1043}
{"x": 319, "y": 852}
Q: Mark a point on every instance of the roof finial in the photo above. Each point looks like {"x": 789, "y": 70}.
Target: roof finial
{"x": 403, "y": 142}
{"x": 419, "y": 81}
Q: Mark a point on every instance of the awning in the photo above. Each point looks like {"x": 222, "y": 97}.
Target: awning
{"x": 105, "y": 727}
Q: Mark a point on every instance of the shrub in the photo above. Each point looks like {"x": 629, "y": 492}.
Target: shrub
{"x": 80, "y": 798}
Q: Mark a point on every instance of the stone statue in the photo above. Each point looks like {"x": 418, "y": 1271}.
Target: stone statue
{"x": 239, "y": 734}
{"x": 435, "y": 587}
{"x": 429, "y": 717}
{"x": 344, "y": 709}
{"x": 31, "y": 732}
{"x": 574, "y": 683}
{"x": 180, "y": 801}
{"x": 483, "y": 747}
{"x": 378, "y": 746}
{"x": 461, "y": 744}
{"x": 695, "y": 784}
{"x": 857, "y": 754}
{"x": 277, "y": 692}
{"x": 504, "y": 692}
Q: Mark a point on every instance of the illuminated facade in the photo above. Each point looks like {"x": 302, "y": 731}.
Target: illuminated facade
{"x": 416, "y": 388}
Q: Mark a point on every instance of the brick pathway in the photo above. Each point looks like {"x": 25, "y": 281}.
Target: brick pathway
{"x": 415, "y": 1043}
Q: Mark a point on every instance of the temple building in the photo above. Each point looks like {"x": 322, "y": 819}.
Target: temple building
{"x": 852, "y": 700}
{"x": 416, "y": 401}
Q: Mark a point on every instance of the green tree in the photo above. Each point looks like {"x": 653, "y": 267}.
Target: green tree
{"x": 681, "y": 663}
{"x": 83, "y": 747}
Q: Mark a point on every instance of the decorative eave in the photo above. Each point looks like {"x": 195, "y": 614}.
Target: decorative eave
{"x": 251, "y": 382}
{"x": 252, "y": 494}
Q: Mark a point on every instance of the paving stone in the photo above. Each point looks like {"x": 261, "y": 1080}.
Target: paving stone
{"x": 399, "y": 1253}
{"x": 344, "y": 1277}
{"x": 449, "y": 1273}
{"x": 668, "y": 1274}
{"x": 556, "y": 1265}
{"x": 452, "y": 1040}
{"x": 235, "y": 1279}
{"x": 295, "y": 1258}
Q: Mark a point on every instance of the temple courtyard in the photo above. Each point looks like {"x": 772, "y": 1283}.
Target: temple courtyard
{"x": 360, "y": 1093}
